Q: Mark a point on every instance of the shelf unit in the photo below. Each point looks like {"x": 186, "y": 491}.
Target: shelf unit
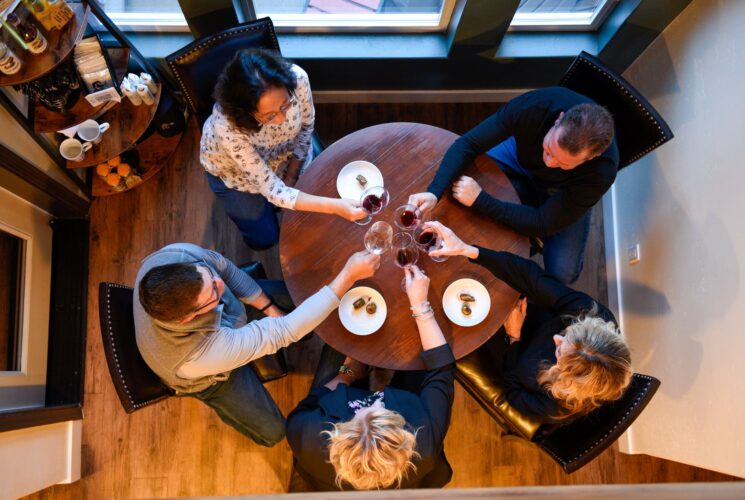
{"x": 128, "y": 123}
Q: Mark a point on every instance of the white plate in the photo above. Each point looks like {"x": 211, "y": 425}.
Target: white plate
{"x": 358, "y": 321}
{"x": 452, "y": 304}
{"x": 347, "y": 184}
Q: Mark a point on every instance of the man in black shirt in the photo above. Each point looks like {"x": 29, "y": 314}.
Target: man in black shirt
{"x": 558, "y": 149}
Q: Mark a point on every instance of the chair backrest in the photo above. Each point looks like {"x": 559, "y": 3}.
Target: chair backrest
{"x": 639, "y": 127}
{"x": 198, "y": 65}
{"x": 578, "y": 443}
{"x": 135, "y": 383}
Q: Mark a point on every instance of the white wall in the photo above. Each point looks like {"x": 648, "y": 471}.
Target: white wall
{"x": 683, "y": 306}
{"x": 35, "y": 458}
{"x": 15, "y": 138}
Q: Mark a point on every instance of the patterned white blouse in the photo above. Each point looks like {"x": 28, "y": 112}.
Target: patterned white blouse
{"x": 254, "y": 162}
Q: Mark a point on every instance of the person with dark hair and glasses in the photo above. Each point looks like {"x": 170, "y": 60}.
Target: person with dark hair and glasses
{"x": 195, "y": 332}
{"x": 257, "y": 140}
{"x": 558, "y": 149}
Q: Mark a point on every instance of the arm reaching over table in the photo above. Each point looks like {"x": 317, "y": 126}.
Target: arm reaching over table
{"x": 417, "y": 288}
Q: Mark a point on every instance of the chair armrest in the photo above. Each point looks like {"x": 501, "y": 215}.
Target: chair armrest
{"x": 476, "y": 375}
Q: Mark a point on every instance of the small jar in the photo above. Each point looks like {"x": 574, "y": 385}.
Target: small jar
{"x": 10, "y": 64}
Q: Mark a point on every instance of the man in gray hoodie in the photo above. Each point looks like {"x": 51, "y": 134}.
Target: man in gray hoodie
{"x": 193, "y": 329}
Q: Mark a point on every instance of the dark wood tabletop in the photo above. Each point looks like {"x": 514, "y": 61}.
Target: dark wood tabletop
{"x": 314, "y": 247}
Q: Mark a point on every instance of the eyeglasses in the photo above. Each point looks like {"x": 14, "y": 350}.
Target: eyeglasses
{"x": 215, "y": 290}
{"x": 283, "y": 109}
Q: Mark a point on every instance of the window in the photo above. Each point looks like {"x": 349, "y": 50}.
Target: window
{"x": 357, "y": 15}
{"x": 144, "y": 15}
{"x": 561, "y": 15}
{"x": 12, "y": 252}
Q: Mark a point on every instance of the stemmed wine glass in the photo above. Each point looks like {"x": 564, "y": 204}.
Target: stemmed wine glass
{"x": 378, "y": 238}
{"x": 373, "y": 200}
{"x": 427, "y": 239}
{"x": 406, "y": 251}
{"x": 407, "y": 217}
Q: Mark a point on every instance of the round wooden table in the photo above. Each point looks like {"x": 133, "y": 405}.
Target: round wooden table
{"x": 314, "y": 247}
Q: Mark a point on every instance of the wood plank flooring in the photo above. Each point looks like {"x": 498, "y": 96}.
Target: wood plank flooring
{"x": 180, "y": 448}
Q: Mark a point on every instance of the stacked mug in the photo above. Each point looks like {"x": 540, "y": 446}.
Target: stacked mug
{"x": 90, "y": 133}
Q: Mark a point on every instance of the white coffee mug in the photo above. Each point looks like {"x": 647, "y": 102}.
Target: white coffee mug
{"x": 73, "y": 149}
{"x": 91, "y": 131}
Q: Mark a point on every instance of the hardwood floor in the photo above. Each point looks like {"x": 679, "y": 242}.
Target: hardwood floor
{"x": 180, "y": 448}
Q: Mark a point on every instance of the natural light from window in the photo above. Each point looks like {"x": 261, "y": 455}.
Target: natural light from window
{"x": 156, "y": 15}
{"x": 415, "y": 15}
{"x": 560, "y": 14}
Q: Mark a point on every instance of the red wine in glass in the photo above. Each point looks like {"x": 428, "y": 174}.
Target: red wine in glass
{"x": 407, "y": 217}
{"x": 372, "y": 203}
{"x": 427, "y": 240}
{"x": 406, "y": 256}
{"x": 373, "y": 200}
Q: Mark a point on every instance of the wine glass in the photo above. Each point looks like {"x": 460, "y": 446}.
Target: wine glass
{"x": 407, "y": 217}
{"x": 373, "y": 200}
{"x": 427, "y": 239}
{"x": 378, "y": 238}
{"x": 406, "y": 252}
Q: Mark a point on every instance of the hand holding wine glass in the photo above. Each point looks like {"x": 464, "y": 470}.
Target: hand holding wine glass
{"x": 428, "y": 240}
{"x": 417, "y": 285}
{"x": 350, "y": 210}
{"x": 451, "y": 244}
{"x": 406, "y": 252}
{"x": 425, "y": 201}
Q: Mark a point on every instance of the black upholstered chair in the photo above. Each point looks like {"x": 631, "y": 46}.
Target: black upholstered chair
{"x": 136, "y": 384}
{"x": 572, "y": 446}
{"x": 198, "y": 65}
{"x": 639, "y": 127}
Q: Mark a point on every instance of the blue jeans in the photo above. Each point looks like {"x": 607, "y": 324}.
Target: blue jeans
{"x": 241, "y": 401}
{"x": 563, "y": 252}
{"x": 252, "y": 213}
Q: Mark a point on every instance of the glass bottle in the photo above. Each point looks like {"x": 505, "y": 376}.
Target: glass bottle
{"x": 9, "y": 62}
{"x": 30, "y": 34}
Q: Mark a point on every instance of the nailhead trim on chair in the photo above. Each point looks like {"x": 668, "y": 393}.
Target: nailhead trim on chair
{"x": 638, "y": 399}
{"x": 110, "y": 334}
{"x": 211, "y": 41}
{"x": 628, "y": 94}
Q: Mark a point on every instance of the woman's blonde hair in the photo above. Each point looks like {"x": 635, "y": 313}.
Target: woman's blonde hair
{"x": 595, "y": 367}
{"x": 372, "y": 450}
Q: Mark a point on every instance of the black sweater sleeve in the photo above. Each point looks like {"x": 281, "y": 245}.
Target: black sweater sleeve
{"x": 556, "y": 213}
{"x": 437, "y": 390}
{"x": 537, "y": 285}
{"x": 476, "y": 141}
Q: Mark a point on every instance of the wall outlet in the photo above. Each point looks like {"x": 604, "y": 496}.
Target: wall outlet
{"x": 634, "y": 254}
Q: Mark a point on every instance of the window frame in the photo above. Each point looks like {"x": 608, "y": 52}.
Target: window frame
{"x": 596, "y": 22}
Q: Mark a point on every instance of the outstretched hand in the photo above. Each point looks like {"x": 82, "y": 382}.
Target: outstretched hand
{"x": 417, "y": 285}
{"x": 451, "y": 243}
{"x": 350, "y": 210}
